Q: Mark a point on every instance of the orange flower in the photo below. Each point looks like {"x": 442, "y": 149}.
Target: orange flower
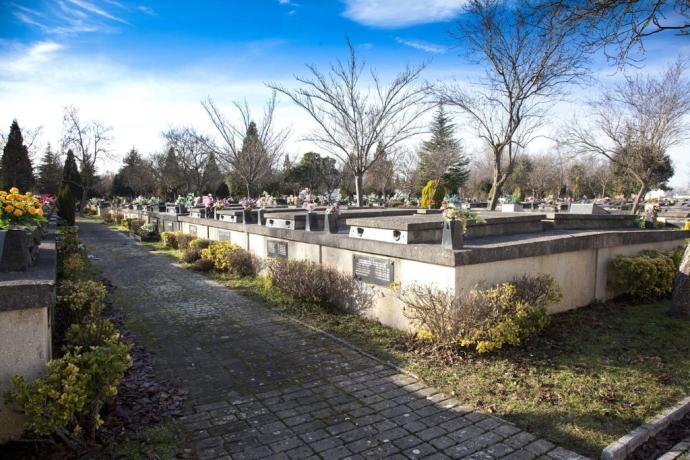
{"x": 9, "y": 208}
{"x": 18, "y": 213}
{"x": 39, "y": 211}
{"x": 14, "y": 190}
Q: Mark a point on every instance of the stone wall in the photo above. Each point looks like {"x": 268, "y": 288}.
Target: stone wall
{"x": 27, "y": 300}
{"x": 578, "y": 260}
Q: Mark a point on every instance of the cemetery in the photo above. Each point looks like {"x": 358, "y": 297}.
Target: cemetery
{"x": 391, "y": 246}
{"x": 363, "y": 229}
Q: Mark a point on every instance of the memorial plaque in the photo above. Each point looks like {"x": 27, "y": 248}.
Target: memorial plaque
{"x": 373, "y": 270}
{"x": 193, "y": 230}
{"x": 275, "y": 248}
{"x": 224, "y": 235}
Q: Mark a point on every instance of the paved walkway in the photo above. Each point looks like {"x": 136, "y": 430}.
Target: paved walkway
{"x": 261, "y": 385}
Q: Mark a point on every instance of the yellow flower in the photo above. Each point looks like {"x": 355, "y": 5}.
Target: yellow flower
{"x": 19, "y": 205}
{"x": 14, "y": 190}
{"x": 31, "y": 210}
{"x": 28, "y": 194}
{"x": 40, "y": 211}
{"x": 18, "y": 213}
{"x": 9, "y": 208}
{"x": 3, "y": 193}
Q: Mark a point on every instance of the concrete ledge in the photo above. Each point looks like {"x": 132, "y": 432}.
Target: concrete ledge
{"x": 624, "y": 446}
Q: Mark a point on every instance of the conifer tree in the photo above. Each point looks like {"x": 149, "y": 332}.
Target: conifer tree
{"x": 212, "y": 175}
{"x": 441, "y": 157}
{"x": 49, "y": 172}
{"x": 16, "y": 164}
{"x": 70, "y": 174}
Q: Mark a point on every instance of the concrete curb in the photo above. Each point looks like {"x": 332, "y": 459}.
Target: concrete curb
{"x": 677, "y": 450}
{"x": 625, "y": 446}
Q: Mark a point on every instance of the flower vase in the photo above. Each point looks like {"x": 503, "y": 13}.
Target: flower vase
{"x": 17, "y": 249}
{"x": 452, "y": 234}
{"x": 311, "y": 222}
{"x": 330, "y": 223}
{"x": 261, "y": 216}
{"x": 210, "y": 212}
{"x": 247, "y": 216}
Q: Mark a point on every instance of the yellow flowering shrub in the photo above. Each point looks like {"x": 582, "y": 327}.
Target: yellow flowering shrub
{"x": 687, "y": 225}
{"x": 169, "y": 239}
{"x": 66, "y": 401}
{"x": 81, "y": 301}
{"x": 484, "y": 318}
{"x": 73, "y": 265}
{"x": 19, "y": 209}
{"x": 218, "y": 252}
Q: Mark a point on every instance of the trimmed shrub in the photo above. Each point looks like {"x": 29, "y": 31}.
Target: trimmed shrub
{"x": 203, "y": 265}
{"x": 73, "y": 265}
{"x": 66, "y": 401}
{"x": 242, "y": 263}
{"x": 218, "y": 252}
{"x": 65, "y": 204}
{"x": 484, "y": 319}
{"x": 646, "y": 276}
{"x": 108, "y": 218}
{"x": 92, "y": 334}
{"x": 183, "y": 240}
{"x": 324, "y": 287}
{"x": 199, "y": 244}
{"x": 148, "y": 232}
{"x": 432, "y": 194}
{"x": 81, "y": 301}
{"x": 169, "y": 239}
{"x": 68, "y": 242}
{"x": 191, "y": 255}
{"x": 133, "y": 224}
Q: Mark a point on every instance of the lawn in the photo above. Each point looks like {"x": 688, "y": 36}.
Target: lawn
{"x": 590, "y": 377}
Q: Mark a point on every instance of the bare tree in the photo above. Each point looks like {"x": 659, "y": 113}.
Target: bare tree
{"x": 525, "y": 67}
{"x": 634, "y": 123}
{"x": 90, "y": 141}
{"x": 191, "y": 150}
{"x": 251, "y": 150}
{"x": 617, "y": 25}
{"x": 352, "y": 120}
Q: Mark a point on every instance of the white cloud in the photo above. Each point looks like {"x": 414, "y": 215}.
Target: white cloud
{"x": 401, "y": 13}
{"x": 147, "y": 10}
{"x": 422, "y": 45}
{"x": 96, "y": 10}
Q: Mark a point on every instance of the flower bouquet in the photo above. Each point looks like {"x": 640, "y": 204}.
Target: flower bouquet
{"x": 248, "y": 204}
{"x": 455, "y": 223}
{"x": 21, "y": 225}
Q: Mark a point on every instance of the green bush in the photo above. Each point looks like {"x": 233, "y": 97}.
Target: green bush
{"x": 73, "y": 266}
{"x": 65, "y": 204}
{"x": 485, "y": 319}
{"x": 134, "y": 224}
{"x": 92, "y": 334}
{"x": 646, "y": 276}
{"x": 218, "y": 252}
{"x": 433, "y": 194}
{"x": 148, "y": 232}
{"x": 66, "y": 401}
{"x": 81, "y": 301}
{"x": 169, "y": 239}
{"x": 68, "y": 242}
{"x": 324, "y": 287}
{"x": 199, "y": 244}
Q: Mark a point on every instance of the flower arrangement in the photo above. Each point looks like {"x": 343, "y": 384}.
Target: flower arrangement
{"x": 47, "y": 199}
{"x": 180, "y": 201}
{"x": 451, "y": 211}
{"x": 291, "y": 200}
{"x": 140, "y": 201}
{"x": 266, "y": 200}
{"x": 309, "y": 206}
{"x": 208, "y": 200}
{"x": 154, "y": 201}
{"x": 248, "y": 203}
{"x": 221, "y": 204}
{"x": 18, "y": 209}
{"x": 372, "y": 198}
{"x": 333, "y": 209}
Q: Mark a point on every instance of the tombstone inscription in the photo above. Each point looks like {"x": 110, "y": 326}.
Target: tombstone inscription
{"x": 193, "y": 230}
{"x": 224, "y": 235}
{"x": 275, "y": 248}
{"x": 373, "y": 270}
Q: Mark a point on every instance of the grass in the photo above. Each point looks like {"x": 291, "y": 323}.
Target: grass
{"x": 590, "y": 377}
{"x": 159, "y": 442}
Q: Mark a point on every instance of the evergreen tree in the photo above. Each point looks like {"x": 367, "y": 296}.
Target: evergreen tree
{"x": 65, "y": 204}
{"x": 212, "y": 175}
{"x": 70, "y": 174}
{"x": 441, "y": 157}
{"x": 16, "y": 164}
{"x": 171, "y": 180}
{"x": 49, "y": 173}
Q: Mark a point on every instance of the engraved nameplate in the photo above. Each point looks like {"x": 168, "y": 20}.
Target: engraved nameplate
{"x": 275, "y": 248}
{"x": 373, "y": 270}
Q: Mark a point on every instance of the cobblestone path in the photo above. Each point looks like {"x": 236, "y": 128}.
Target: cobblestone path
{"x": 261, "y": 385}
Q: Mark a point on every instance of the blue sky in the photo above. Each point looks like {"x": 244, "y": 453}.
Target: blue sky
{"x": 145, "y": 66}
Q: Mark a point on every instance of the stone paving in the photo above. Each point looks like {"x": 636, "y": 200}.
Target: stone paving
{"x": 263, "y": 386}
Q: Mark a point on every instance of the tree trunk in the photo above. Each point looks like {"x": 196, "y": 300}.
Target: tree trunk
{"x": 84, "y": 195}
{"x": 359, "y": 184}
{"x": 638, "y": 197}
{"x": 680, "y": 304}
{"x": 496, "y": 190}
